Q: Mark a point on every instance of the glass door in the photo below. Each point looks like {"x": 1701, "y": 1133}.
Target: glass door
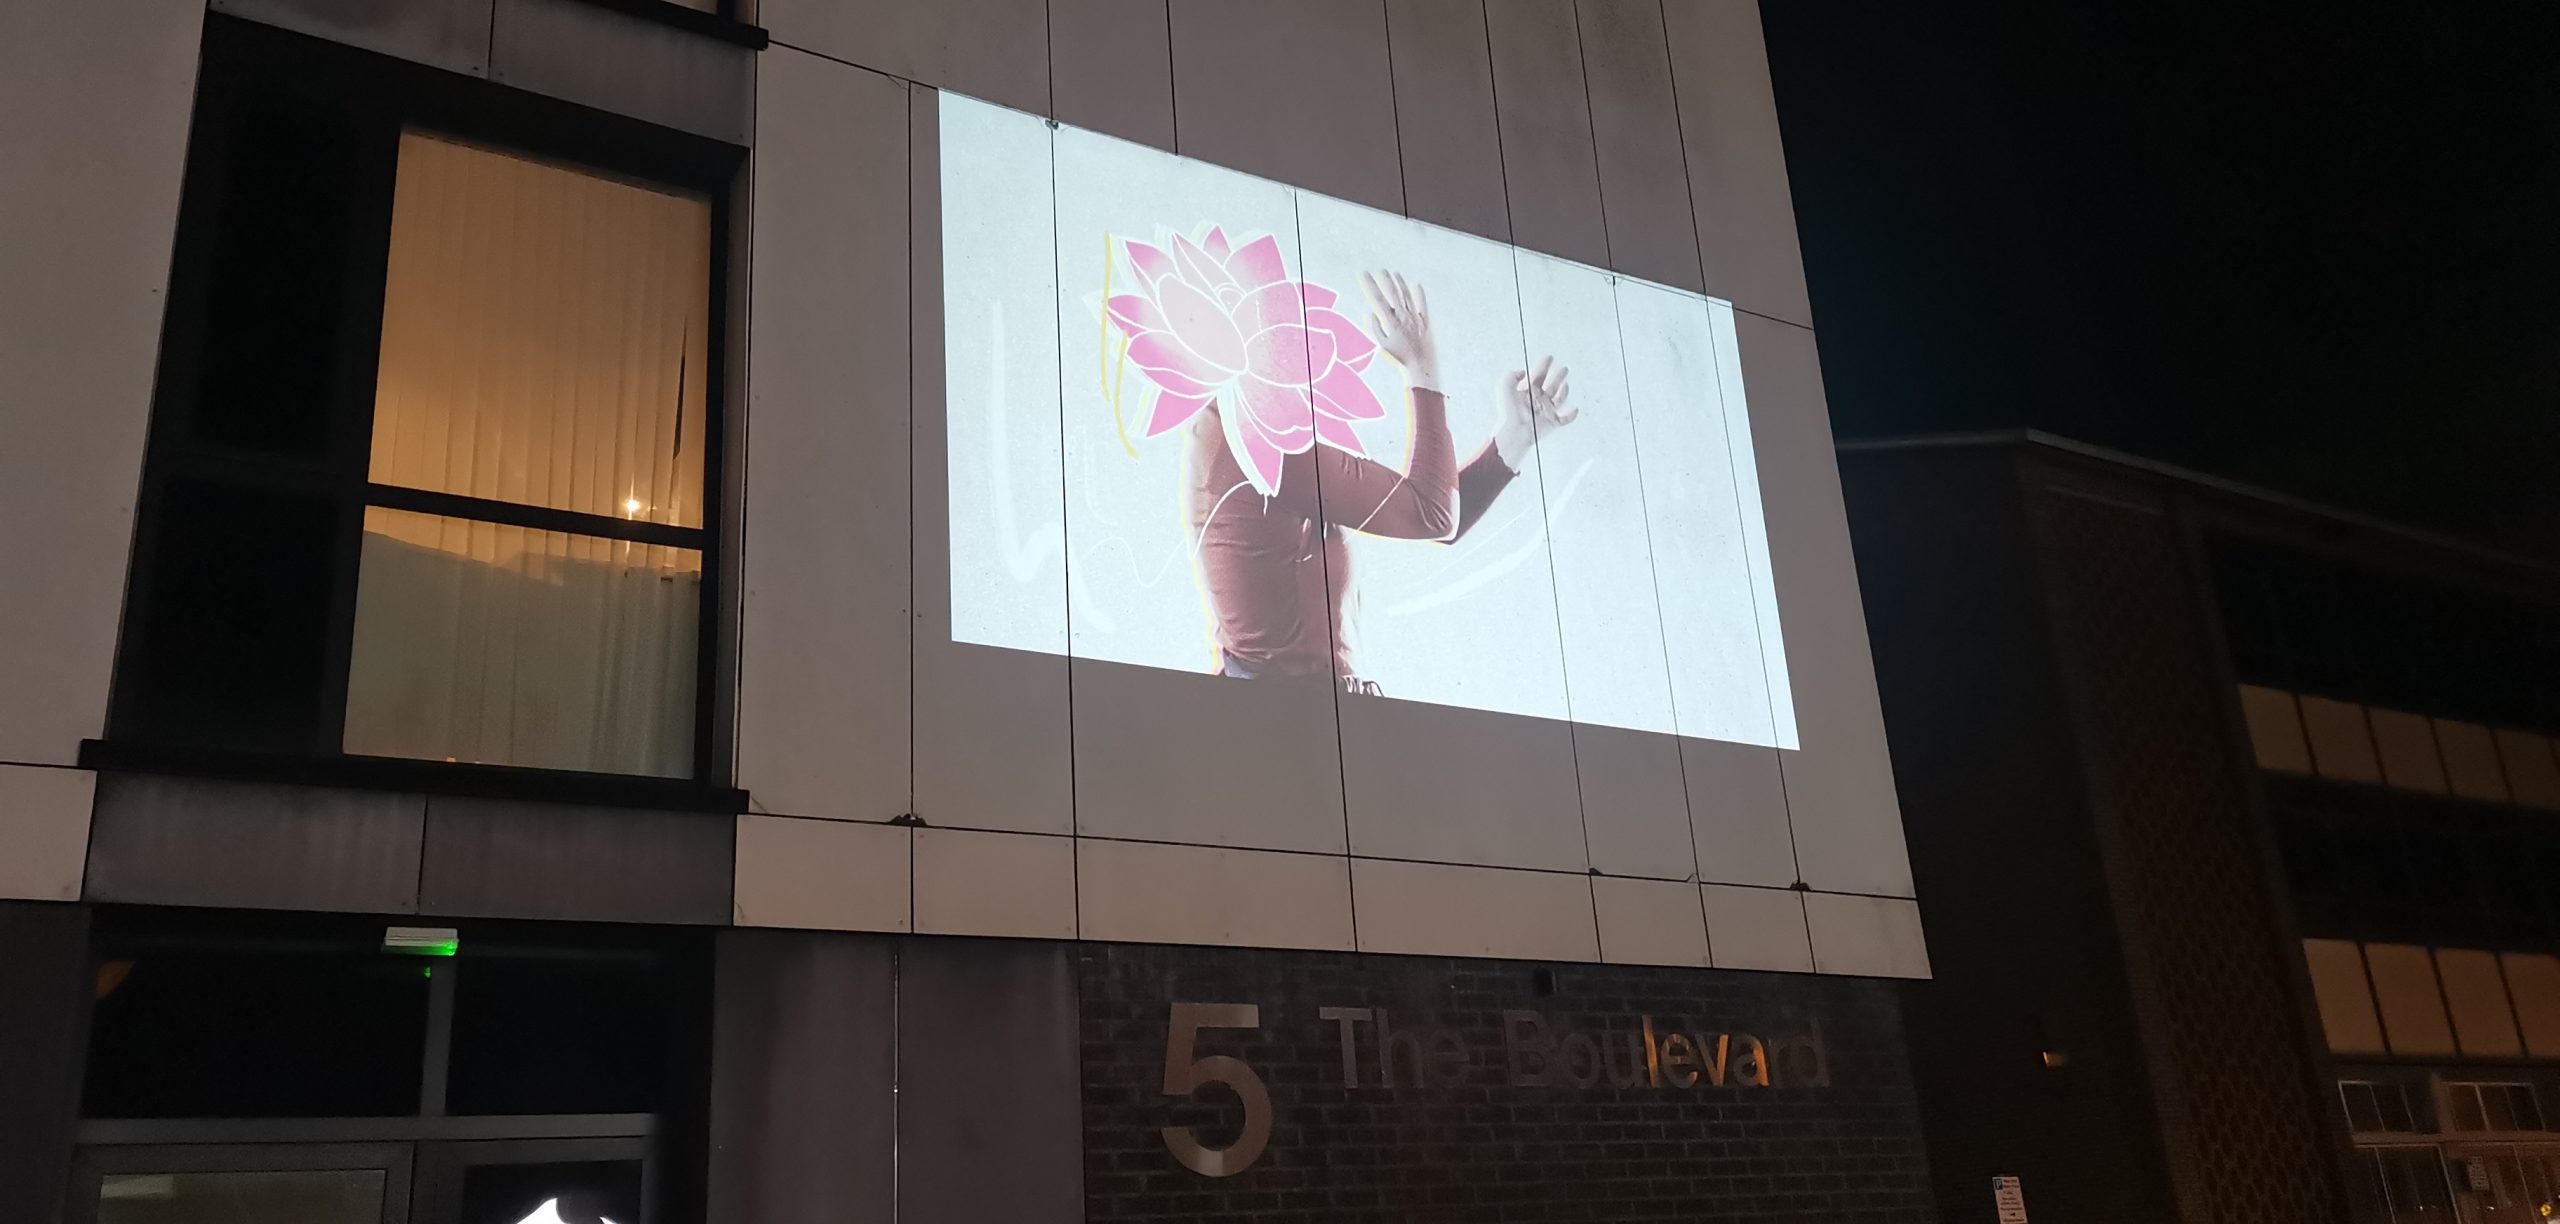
{"x": 229, "y": 1183}
{"x": 2505, "y": 1183}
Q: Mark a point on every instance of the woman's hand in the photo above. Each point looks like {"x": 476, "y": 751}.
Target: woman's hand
{"x": 1400, "y": 318}
{"x": 1532, "y": 406}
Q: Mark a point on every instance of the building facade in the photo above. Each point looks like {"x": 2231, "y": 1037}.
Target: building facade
{"x": 840, "y": 609}
{"x": 2238, "y": 808}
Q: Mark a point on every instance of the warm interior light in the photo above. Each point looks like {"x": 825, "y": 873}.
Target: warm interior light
{"x": 631, "y": 506}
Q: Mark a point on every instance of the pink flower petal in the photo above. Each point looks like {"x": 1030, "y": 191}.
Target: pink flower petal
{"x": 1198, "y": 267}
{"x": 1152, "y": 264}
{"x": 1202, "y": 325}
{"x": 1351, "y": 346}
{"x": 1172, "y": 410}
{"x": 1278, "y": 355}
{"x": 1216, "y": 244}
{"x": 1342, "y": 393}
{"x": 1257, "y": 263}
{"x": 1317, "y": 295}
{"x": 1339, "y": 435}
{"x": 1270, "y": 306}
{"x": 1135, "y": 315}
{"x": 1164, "y": 361}
{"x": 1285, "y": 413}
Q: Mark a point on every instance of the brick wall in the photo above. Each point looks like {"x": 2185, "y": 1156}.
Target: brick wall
{"x": 1459, "y": 1136}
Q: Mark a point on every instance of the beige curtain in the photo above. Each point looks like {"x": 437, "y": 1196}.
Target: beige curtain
{"x": 543, "y": 338}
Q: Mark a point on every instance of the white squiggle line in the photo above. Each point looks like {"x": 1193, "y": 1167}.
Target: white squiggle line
{"x": 1500, "y": 566}
{"x": 1023, "y": 555}
{"x": 1144, "y": 581}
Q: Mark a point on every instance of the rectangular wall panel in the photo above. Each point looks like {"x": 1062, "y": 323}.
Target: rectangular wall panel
{"x": 1436, "y": 910}
{"x": 1866, "y": 936}
{"x": 1017, "y": 885}
{"x": 95, "y": 171}
{"x": 44, "y": 831}
{"x": 995, "y": 49}
{"x": 1134, "y": 892}
{"x": 803, "y": 1079}
{"x": 1635, "y": 807}
{"x": 1737, "y": 166}
{"x": 991, "y": 722}
{"x": 1840, "y": 798}
{"x": 1649, "y": 922}
{"x": 1549, "y": 171}
{"x": 1446, "y": 133}
{"x": 1299, "y": 92}
{"x": 1635, "y": 125}
{"x": 824, "y": 710}
{"x": 1111, "y": 69}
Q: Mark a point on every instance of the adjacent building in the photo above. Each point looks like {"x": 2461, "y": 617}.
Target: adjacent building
{"x": 833, "y": 610}
{"x": 2233, "y": 819}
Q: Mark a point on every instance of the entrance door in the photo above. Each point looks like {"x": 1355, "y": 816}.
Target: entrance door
{"x": 226, "y": 1183}
{"x": 2505, "y": 1183}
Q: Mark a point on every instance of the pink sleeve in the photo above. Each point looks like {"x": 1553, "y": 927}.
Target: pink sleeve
{"x": 1367, "y": 496}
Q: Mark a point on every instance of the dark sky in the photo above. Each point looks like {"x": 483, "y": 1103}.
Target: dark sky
{"x": 2316, "y": 252}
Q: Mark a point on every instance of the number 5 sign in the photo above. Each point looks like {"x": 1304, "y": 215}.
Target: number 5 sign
{"x": 1184, "y": 1075}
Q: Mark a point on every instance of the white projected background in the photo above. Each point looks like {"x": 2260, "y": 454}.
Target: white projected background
{"x": 1622, "y": 578}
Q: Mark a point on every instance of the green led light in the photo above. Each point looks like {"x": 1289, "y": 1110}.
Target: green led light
{"x": 422, "y": 941}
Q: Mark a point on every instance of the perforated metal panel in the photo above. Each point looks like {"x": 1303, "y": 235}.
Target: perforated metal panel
{"x": 2224, "y": 1040}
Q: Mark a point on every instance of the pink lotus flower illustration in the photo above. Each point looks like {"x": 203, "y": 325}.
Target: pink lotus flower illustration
{"x": 1214, "y": 323}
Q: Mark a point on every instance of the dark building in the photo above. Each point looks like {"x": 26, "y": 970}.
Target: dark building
{"x": 2234, "y": 821}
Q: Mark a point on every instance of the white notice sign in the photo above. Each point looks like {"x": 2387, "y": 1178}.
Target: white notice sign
{"x": 2009, "y": 1200}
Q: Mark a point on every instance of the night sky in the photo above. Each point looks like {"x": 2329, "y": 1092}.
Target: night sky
{"x": 2320, "y": 256}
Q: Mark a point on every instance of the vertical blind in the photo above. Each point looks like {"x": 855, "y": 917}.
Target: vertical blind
{"x": 543, "y": 341}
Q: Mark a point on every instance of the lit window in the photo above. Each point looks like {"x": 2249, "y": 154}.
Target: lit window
{"x": 529, "y": 590}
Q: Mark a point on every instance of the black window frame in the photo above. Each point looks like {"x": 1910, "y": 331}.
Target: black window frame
{"x": 246, "y": 64}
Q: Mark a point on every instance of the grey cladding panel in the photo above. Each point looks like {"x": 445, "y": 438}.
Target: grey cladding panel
{"x": 1635, "y": 124}
{"x": 803, "y": 1121}
{"x": 989, "y": 1081}
{"x": 185, "y": 841}
{"x": 1111, "y": 68}
{"x": 448, "y": 34}
{"x": 1546, "y": 130}
{"x": 1299, "y": 92}
{"x": 1445, "y": 128}
{"x": 500, "y": 859}
{"x": 593, "y": 56}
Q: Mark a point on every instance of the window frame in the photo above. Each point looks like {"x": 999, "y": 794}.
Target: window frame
{"x": 246, "y": 64}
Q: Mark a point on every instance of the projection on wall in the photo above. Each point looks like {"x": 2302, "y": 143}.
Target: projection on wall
{"x": 1205, "y": 422}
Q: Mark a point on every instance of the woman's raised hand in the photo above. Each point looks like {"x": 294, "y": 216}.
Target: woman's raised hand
{"x": 1532, "y": 406}
{"x": 1400, "y": 318}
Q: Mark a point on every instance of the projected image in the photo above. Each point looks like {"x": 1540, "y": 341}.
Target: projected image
{"x": 1209, "y": 423}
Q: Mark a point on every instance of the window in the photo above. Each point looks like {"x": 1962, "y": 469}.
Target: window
{"x": 2490, "y": 1107}
{"x": 2377, "y": 1107}
{"x": 437, "y": 430}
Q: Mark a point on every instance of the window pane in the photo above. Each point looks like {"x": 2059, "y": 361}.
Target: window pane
{"x": 2368, "y": 1204}
{"x": 2527, "y": 1110}
{"x": 483, "y": 642}
{"x": 234, "y": 635}
{"x": 545, "y": 1034}
{"x": 2395, "y": 1107}
{"x": 544, "y": 335}
{"x": 236, "y": 1033}
{"x": 2497, "y": 1113}
{"x": 2362, "y": 1113}
{"x": 349, "y": 1196}
{"x": 587, "y": 1192}
{"x": 2465, "y": 1102}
